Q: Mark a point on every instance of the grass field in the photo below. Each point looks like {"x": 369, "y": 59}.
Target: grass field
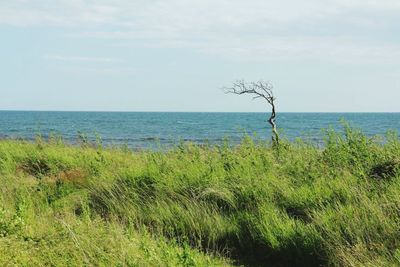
{"x": 250, "y": 204}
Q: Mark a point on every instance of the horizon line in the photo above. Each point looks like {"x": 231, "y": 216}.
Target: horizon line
{"x": 155, "y": 111}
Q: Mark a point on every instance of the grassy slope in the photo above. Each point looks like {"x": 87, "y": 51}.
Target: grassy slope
{"x": 201, "y": 206}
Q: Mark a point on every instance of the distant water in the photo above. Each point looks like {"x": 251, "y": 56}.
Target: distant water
{"x": 150, "y": 129}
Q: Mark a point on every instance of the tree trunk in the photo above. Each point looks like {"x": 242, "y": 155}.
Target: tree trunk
{"x": 275, "y": 135}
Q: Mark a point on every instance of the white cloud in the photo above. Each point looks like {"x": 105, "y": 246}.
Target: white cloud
{"x": 372, "y": 5}
{"x": 337, "y": 30}
{"x": 180, "y": 13}
{"x": 82, "y": 59}
{"x": 101, "y": 70}
{"x": 68, "y": 13}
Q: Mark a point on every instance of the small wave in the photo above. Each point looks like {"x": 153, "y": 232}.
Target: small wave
{"x": 130, "y": 139}
{"x": 151, "y": 138}
{"x": 187, "y": 122}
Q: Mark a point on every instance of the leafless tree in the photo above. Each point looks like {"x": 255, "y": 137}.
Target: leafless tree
{"x": 259, "y": 89}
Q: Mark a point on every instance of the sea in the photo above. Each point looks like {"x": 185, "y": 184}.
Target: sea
{"x": 142, "y": 130}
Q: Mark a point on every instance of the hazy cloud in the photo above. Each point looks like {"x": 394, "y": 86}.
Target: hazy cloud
{"x": 336, "y": 30}
{"x": 82, "y": 59}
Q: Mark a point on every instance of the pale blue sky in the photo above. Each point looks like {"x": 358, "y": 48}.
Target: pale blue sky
{"x": 175, "y": 55}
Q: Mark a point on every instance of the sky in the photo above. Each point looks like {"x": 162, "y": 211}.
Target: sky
{"x": 178, "y": 55}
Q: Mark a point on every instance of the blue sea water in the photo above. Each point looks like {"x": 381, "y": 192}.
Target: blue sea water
{"x": 149, "y": 129}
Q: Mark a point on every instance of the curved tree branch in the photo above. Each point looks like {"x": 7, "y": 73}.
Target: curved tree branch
{"x": 260, "y": 89}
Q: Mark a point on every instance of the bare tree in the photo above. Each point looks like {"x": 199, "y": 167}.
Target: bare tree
{"x": 260, "y": 89}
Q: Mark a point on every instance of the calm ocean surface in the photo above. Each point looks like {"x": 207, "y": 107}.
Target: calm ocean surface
{"x": 149, "y": 129}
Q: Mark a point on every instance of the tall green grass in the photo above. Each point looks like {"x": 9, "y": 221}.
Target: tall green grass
{"x": 217, "y": 205}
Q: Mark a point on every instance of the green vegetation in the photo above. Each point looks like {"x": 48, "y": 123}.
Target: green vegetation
{"x": 251, "y": 204}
